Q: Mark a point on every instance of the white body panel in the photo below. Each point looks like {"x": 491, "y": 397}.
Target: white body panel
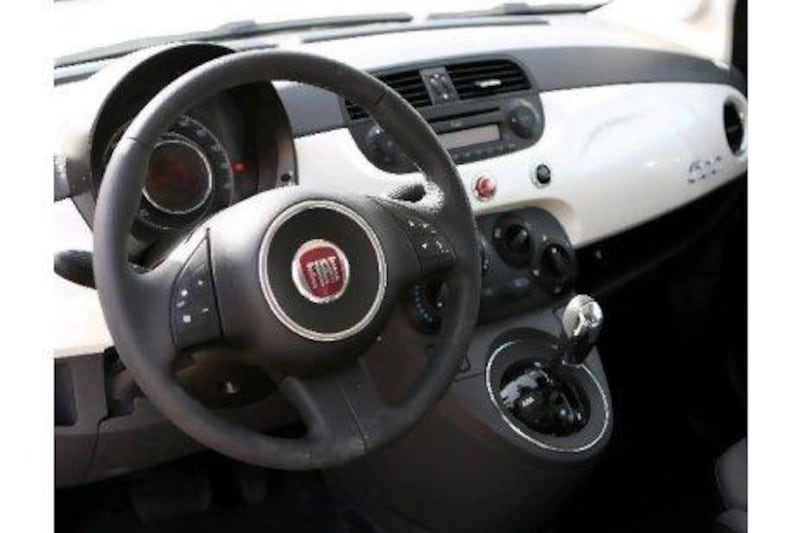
{"x": 619, "y": 155}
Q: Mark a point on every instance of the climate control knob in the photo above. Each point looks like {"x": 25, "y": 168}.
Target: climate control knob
{"x": 513, "y": 241}
{"x": 555, "y": 268}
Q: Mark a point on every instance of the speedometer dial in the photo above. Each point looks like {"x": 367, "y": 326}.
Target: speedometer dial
{"x": 179, "y": 178}
{"x": 189, "y": 176}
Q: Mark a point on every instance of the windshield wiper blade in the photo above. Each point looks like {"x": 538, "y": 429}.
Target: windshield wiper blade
{"x": 519, "y": 9}
{"x": 232, "y": 30}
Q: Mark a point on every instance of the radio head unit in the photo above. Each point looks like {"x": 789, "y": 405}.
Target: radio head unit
{"x": 479, "y": 108}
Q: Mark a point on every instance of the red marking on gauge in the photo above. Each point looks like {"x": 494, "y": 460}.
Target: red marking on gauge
{"x": 239, "y": 167}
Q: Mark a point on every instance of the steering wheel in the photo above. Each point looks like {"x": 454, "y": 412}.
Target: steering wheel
{"x": 300, "y": 282}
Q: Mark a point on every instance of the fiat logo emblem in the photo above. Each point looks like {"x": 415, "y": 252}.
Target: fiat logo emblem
{"x": 320, "y": 271}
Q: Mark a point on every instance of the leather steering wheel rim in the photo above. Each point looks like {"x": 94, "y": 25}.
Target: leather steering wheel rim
{"x": 136, "y": 304}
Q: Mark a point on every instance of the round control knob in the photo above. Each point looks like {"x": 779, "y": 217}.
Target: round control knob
{"x": 382, "y": 147}
{"x": 513, "y": 242}
{"x": 555, "y": 268}
{"x": 522, "y": 119}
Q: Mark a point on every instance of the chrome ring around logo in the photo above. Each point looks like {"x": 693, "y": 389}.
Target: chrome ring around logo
{"x": 320, "y": 271}
{"x": 266, "y": 287}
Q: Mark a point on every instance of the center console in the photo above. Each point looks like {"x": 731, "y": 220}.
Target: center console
{"x": 528, "y": 413}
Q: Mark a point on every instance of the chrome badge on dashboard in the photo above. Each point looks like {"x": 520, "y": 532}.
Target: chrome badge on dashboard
{"x": 320, "y": 271}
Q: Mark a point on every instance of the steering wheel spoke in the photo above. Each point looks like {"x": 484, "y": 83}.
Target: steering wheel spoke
{"x": 175, "y": 302}
{"x": 194, "y": 316}
{"x": 339, "y": 407}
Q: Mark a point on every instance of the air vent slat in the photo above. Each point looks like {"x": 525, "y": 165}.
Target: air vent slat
{"x": 407, "y": 84}
{"x": 401, "y": 79}
{"x": 398, "y": 86}
{"x": 506, "y": 75}
{"x": 486, "y": 78}
{"x": 484, "y": 71}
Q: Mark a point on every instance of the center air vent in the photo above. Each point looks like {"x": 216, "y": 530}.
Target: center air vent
{"x": 486, "y": 78}
{"x": 733, "y": 119}
{"x": 408, "y": 84}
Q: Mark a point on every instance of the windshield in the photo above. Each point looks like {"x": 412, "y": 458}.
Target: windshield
{"x": 88, "y": 24}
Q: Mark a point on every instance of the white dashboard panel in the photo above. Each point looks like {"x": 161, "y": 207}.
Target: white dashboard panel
{"x": 619, "y": 155}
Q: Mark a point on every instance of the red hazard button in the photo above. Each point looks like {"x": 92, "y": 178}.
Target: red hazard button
{"x": 484, "y": 188}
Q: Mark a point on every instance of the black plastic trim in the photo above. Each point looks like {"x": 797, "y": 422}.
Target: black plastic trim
{"x": 583, "y": 66}
{"x": 617, "y": 262}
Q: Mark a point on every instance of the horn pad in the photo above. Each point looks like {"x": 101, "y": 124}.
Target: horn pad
{"x": 322, "y": 270}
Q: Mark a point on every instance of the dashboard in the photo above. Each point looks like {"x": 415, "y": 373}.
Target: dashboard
{"x": 566, "y": 132}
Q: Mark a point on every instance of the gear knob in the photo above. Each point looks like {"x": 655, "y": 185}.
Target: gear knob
{"x": 580, "y": 327}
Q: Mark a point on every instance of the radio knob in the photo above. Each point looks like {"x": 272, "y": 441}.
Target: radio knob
{"x": 522, "y": 120}
{"x": 382, "y": 147}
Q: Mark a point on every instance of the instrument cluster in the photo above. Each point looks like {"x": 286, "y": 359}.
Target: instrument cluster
{"x": 194, "y": 171}
{"x": 224, "y": 149}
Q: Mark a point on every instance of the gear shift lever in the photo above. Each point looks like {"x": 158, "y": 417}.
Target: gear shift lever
{"x": 580, "y": 327}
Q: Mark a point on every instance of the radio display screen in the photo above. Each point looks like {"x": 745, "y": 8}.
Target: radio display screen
{"x": 470, "y": 136}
